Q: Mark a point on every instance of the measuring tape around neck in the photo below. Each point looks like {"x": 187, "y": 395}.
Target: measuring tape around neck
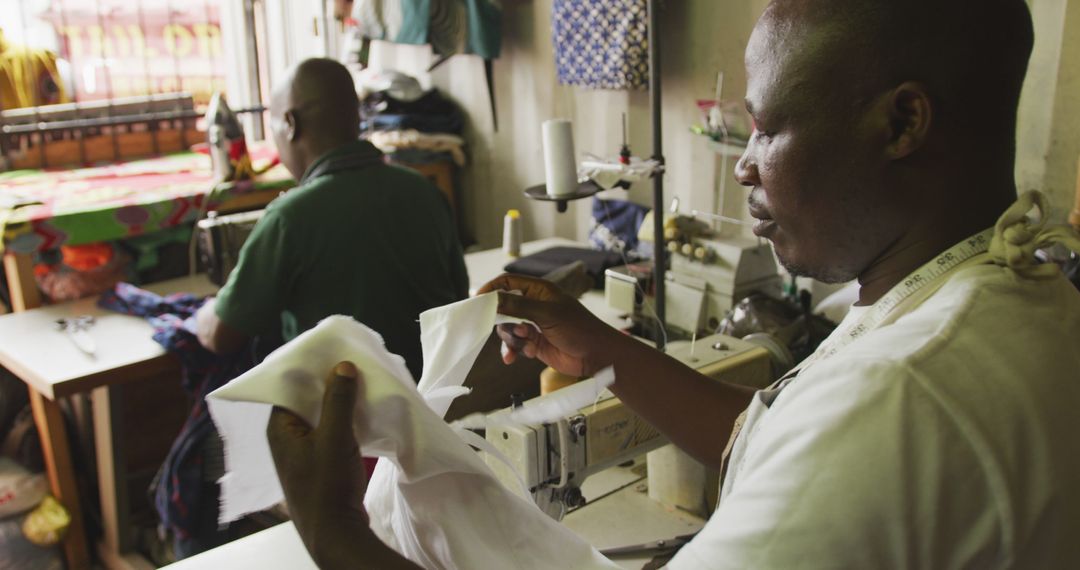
{"x": 915, "y": 287}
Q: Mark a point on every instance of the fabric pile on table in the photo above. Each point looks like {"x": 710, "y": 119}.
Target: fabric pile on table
{"x": 189, "y": 464}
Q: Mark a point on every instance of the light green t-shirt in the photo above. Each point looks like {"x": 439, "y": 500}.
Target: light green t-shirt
{"x": 376, "y": 242}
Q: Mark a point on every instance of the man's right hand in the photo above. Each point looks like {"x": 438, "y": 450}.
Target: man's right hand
{"x": 571, "y": 339}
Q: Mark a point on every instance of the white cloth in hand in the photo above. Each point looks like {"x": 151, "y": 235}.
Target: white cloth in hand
{"x": 432, "y": 498}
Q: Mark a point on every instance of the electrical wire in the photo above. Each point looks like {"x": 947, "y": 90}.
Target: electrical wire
{"x": 650, "y": 309}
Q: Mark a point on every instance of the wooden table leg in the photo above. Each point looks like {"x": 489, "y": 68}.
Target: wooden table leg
{"x": 111, "y": 468}
{"x": 58, "y": 464}
{"x": 19, "y": 268}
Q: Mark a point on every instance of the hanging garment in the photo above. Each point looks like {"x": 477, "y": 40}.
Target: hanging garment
{"x": 450, "y": 26}
{"x": 601, "y": 44}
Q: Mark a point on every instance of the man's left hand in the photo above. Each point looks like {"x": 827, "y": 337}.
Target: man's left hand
{"x": 320, "y": 468}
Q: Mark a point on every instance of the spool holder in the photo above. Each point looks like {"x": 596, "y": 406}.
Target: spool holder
{"x": 584, "y": 190}
{"x": 655, "y": 98}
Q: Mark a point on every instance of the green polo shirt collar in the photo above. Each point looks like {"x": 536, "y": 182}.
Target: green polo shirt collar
{"x": 349, "y": 156}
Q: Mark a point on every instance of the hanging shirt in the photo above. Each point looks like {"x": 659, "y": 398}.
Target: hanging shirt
{"x": 450, "y": 26}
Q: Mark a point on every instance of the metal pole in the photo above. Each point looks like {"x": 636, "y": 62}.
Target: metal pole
{"x": 659, "y": 268}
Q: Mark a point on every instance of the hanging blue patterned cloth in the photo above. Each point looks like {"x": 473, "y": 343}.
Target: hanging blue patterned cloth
{"x": 601, "y": 44}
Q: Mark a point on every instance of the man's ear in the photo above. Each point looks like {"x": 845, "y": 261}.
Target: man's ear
{"x": 292, "y": 126}
{"x": 911, "y": 114}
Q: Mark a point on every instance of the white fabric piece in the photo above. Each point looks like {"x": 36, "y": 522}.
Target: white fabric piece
{"x": 548, "y": 408}
{"x": 393, "y": 141}
{"x": 432, "y": 498}
{"x": 931, "y": 442}
{"x": 608, "y": 173}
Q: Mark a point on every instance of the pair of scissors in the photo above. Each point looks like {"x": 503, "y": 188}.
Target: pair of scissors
{"x": 78, "y": 330}
{"x": 656, "y": 547}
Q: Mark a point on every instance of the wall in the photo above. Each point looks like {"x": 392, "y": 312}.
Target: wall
{"x": 1048, "y": 137}
{"x": 1061, "y": 163}
{"x": 701, "y": 37}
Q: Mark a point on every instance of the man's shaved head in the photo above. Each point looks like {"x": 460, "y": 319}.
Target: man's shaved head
{"x": 971, "y": 55}
{"x": 313, "y": 110}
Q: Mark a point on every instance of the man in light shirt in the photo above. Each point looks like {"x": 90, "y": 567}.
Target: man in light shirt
{"x": 929, "y": 431}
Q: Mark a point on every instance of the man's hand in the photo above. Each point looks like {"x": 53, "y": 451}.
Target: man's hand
{"x": 215, "y": 334}
{"x": 323, "y": 477}
{"x": 571, "y": 339}
{"x": 693, "y": 411}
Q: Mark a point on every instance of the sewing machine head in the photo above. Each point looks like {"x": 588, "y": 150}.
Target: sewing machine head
{"x": 708, "y": 276}
{"x": 554, "y": 459}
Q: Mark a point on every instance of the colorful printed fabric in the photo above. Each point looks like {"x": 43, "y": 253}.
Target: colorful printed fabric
{"x": 178, "y": 496}
{"x": 450, "y": 26}
{"x": 116, "y": 201}
{"x": 601, "y": 44}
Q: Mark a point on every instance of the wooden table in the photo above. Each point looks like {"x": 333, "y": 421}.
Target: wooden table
{"x": 622, "y": 514}
{"x": 32, "y": 348}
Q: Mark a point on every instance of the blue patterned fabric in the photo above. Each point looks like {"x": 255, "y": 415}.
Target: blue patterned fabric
{"x": 178, "y": 497}
{"x": 602, "y": 44}
{"x": 615, "y": 225}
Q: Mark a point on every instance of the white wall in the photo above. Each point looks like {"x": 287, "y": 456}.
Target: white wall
{"x": 701, "y": 37}
{"x": 1048, "y": 137}
{"x": 1061, "y": 163}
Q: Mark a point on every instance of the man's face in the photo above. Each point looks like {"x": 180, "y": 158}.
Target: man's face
{"x": 814, "y": 160}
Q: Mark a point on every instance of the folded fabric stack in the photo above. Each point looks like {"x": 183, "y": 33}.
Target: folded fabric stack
{"x": 415, "y": 147}
{"x": 420, "y": 131}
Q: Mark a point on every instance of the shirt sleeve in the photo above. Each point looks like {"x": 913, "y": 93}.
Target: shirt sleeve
{"x": 855, "y": 467}
{"x": 258, "y": 287}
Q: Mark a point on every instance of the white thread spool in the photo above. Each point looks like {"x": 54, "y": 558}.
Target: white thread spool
{"x": 560, "y": 167}
{"x": 512, "y": 233}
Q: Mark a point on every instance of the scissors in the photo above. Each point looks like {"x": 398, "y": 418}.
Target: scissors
{"x": 656, "y": 547}
{"x": 78, "y": 330}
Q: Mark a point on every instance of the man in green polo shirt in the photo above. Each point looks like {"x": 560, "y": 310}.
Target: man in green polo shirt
{"x": 356, "y": 236}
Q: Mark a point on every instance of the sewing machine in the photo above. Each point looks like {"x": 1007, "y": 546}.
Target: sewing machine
{"x": 554, "y": 459}
{"x": 708, "y": 276}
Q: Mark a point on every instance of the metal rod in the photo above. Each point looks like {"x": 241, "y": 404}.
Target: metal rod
{"x": 659, "y": 258}
{"x": 41, "y": 127}
{"x": 105, "y": 58}
{"x": 252, "y": 45}
{"x": 66, "y": 48}
{"x": 147, "y": 77}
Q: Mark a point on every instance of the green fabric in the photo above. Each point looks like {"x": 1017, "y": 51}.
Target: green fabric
{"x": 377, "y": 243}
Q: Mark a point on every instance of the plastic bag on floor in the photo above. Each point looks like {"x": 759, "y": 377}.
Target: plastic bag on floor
{"x": 20, "y": 490}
